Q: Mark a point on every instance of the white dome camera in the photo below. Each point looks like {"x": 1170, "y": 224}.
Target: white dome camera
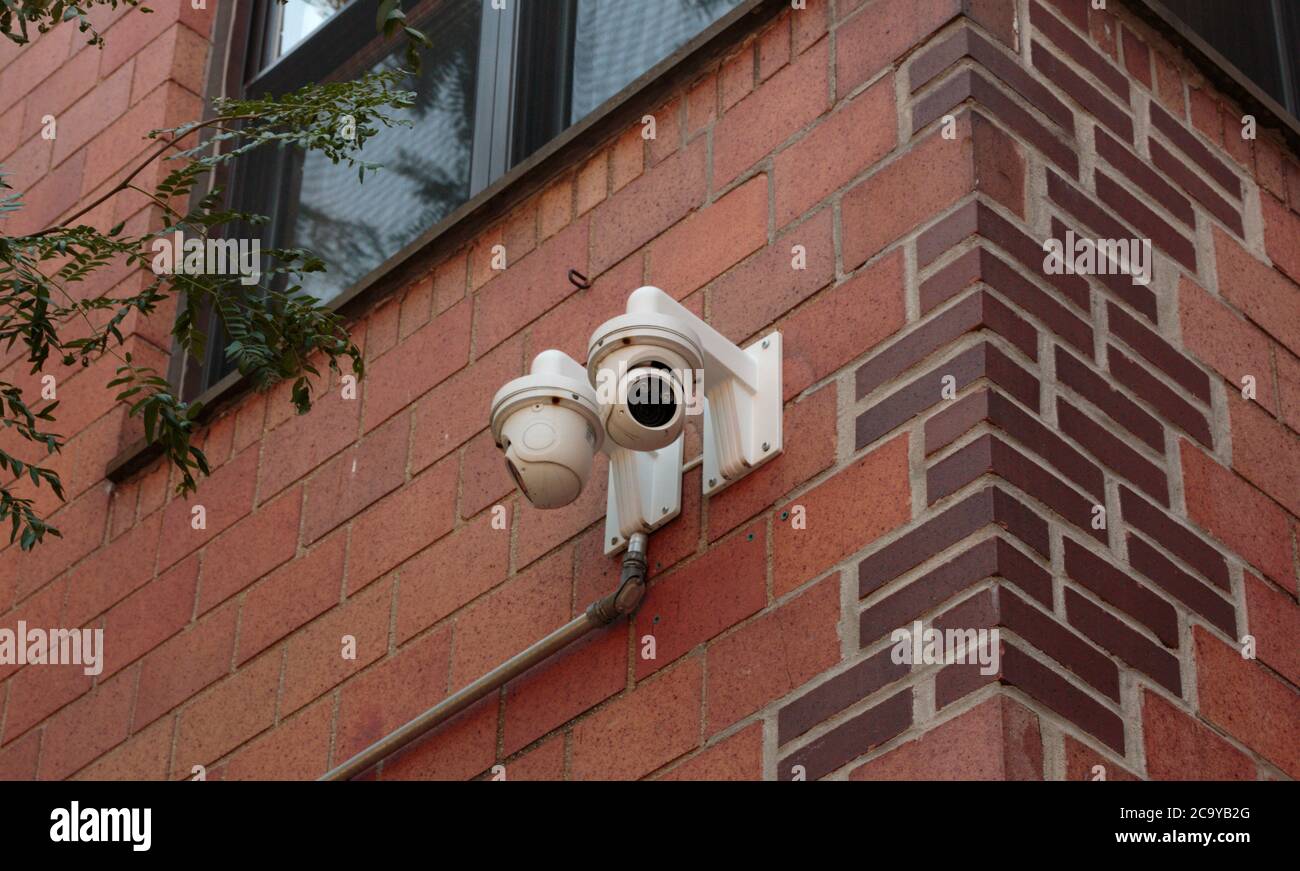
{"x": 643, "y": 366}
{"x": 548, "y": 425}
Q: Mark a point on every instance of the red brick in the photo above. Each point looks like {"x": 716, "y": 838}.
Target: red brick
{"x": 781, "y": 106}
{"x": 313, "y": 662}
{"x": 37, "y": 692}
{"x": 772, "y": 655}
{"x": 1265, "y": 453}
{"x": 655, "y": 201}
{"x": 736, "y": 757}
{"x": 922, "y": 183}
{"x": 627, "y": 157}
{"x": 460, "y": 749}
{"x": 1205, "y": 114}
{"x": 1228, "y": 343}
{"x": 514, "y": 616}
{"x": 843, "y": 323}
{"x": 1178, "y": 747}
{"x": 392, "y": 692}
{"x": 184, "y": 665}
{"x": 835, "y": 151}
{"x": 1274, "y": 620}
{"x": 112, "y": 572}
{"x": 735, "y": 227}
{"x": 840, "y": 516}
{"x": 226, "y": 497}
{"x": 1237, "y": 514}
{"x": 87, "y": 728}
{"x": 291, "y": 596}
{"x": 809, "y": 448}
{"x": 996, "y": 740}
{"x": 529, "y": 287}
{"x": 643, "y": 730}
{"x": 1282, "y": 241}
{"x": 402, "y": 523}
{"x": 668, "y": 131}
{"x": 453, "y": 572}
{"x": 593, "y": 180}
{"x": 144, "y": 757}
{"x": 355, "y": 479}
{"x": 555, "y": 208}
{"x": 543, "y": 762}
{"x": 40, "y": 59}
{"x": 556, "y": 691}
{"x": 234, "y": 711}
{"x": 82, "y": 524}
{"x": 883, "y": 32}
{"x": 1080, "y": 760}
{"x": 250, "y": 549}
{"x": 1288, "y": 379}
{"x": 431, "y": 354}
{"x": 296, "y": 749}
{"x": 1247, "y": 702}
{"x": 449, "y": 281}
{"x": 149, "y": 616}
{"x": 1169, "y": 85}
{"x": 18, "y": 761}
{"x": 737, "y": 77}
{"x": 703, "y": 598}
{"x": 701, "y": 105}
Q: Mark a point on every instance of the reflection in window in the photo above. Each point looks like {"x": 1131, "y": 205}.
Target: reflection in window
{"x": 355, "y": 226}
{"x": 616, "y": 41}
{"x": 297, "y": 20}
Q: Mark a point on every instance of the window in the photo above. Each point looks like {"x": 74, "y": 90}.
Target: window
{"x": 496, "y": 85}
{"x": 1261, "y": 38}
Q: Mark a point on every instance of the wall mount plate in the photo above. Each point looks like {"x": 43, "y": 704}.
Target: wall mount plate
{"x": 761, "y": 418}
{"x": 645, "y": 492}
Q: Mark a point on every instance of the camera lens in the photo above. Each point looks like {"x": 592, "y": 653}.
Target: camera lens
{"x": 651, "y": 402}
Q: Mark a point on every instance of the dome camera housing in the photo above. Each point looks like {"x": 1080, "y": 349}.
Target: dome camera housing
{"x": 548, "y": 425}
{"x": 643, "y": 367}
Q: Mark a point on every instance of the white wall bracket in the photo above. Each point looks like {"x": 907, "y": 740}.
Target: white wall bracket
{"x": 645, "y": 491}
{"x": 730, "y": 451}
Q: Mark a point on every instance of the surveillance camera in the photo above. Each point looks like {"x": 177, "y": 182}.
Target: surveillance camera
{"x": 548, "y": 425}
{"x": 644, "y": 367}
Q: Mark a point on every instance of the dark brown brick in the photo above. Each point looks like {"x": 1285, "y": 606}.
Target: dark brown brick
{"x": 1091, "y": 99}
{"x": 1112, "y": 451}
{"x": 981, "y": 361}
{"x": 1043, "y": 684}
{"x": 1188, "y": 144}
{"x": 1170, "y": 165}
{"x": 991, "y": 557}
{"x": 989, "y": 506}
{"x": 989, "y": 454}
{"x": 968, "y": 84}
{"x": 1131, "y": 646}
{"x": 1158, "y": 351}
{"x": 1025, "y": 428}
{"x": 1117, "y": 588}
{"x": 1122, "y": 286}
{"x": 980, "y": 264}
{"x": 977, "y": 311}
{"x": 1058, "y": 642}
{"x": 968, "y": 43}
{"x": 976, "y": 218}
{"x": 842, "y": 691}
{"x": 1177, "y": 539}
{"x": 1128, "y": 163}
{"x": 1162, "y": 235}
{"x": 851, "y": 739}
{"x": 1173, "y": 407}
{"x": 1082, "y": 380}
{"x": 1182, "y": 586}
{"x": 1079, "y": 50}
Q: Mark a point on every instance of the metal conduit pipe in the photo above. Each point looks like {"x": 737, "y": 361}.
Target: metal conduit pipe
{"x": 602, "y": 612}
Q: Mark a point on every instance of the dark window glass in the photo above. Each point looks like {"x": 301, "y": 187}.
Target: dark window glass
{"x": 1259, "y": 37}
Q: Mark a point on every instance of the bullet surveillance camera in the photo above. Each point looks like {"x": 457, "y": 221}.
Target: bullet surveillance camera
{"x": 644, "y": 367}
{"x": 548, "y": 425}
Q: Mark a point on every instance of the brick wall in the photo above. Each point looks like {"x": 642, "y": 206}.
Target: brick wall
{"x": 968, "y": 507}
